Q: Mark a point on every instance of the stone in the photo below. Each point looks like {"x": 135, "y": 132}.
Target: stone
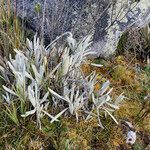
{"x": 105, "y": 19}
{"x": 133, "y": 15}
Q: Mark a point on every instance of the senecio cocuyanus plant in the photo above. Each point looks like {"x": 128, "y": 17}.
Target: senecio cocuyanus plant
{"x": 48, "y": 81}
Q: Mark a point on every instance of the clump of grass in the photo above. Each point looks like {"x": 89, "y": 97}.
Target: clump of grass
{"x": 136, "y": 42}
{"x": 11, "y": 33}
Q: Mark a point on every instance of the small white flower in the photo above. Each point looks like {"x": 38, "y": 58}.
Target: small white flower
{"x": 131, "y": 137}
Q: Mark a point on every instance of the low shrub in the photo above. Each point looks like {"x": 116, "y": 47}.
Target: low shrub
{"x": 48, "y": 81}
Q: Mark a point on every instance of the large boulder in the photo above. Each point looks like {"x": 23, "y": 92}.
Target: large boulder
{"x": 106, "y": 19}
{"x": 122, "y": 16}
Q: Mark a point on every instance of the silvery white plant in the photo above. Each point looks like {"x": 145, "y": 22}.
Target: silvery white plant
{"x": 40, "y": 105}
{"x": 28, "y": 69}
{"x": 69, "y": 89}
{"x": 35, "y": 51}
{"x": 78, "y": 99}
{"x": 18, "y": 67}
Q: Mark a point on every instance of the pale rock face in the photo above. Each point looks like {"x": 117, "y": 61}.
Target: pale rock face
{"x": 105, "y": 20}
{"x": 133, "y": 15}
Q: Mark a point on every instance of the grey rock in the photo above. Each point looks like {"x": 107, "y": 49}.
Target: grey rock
{"x": 106, "y": 19}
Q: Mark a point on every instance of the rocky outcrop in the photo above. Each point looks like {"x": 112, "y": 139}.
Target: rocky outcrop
{"x": 106, "y": 19}
{"x": 122, "y": 16}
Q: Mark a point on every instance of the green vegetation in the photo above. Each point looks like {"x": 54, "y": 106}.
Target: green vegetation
{"x": 54, "y": 98}
{"x": 11, "y": 34}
